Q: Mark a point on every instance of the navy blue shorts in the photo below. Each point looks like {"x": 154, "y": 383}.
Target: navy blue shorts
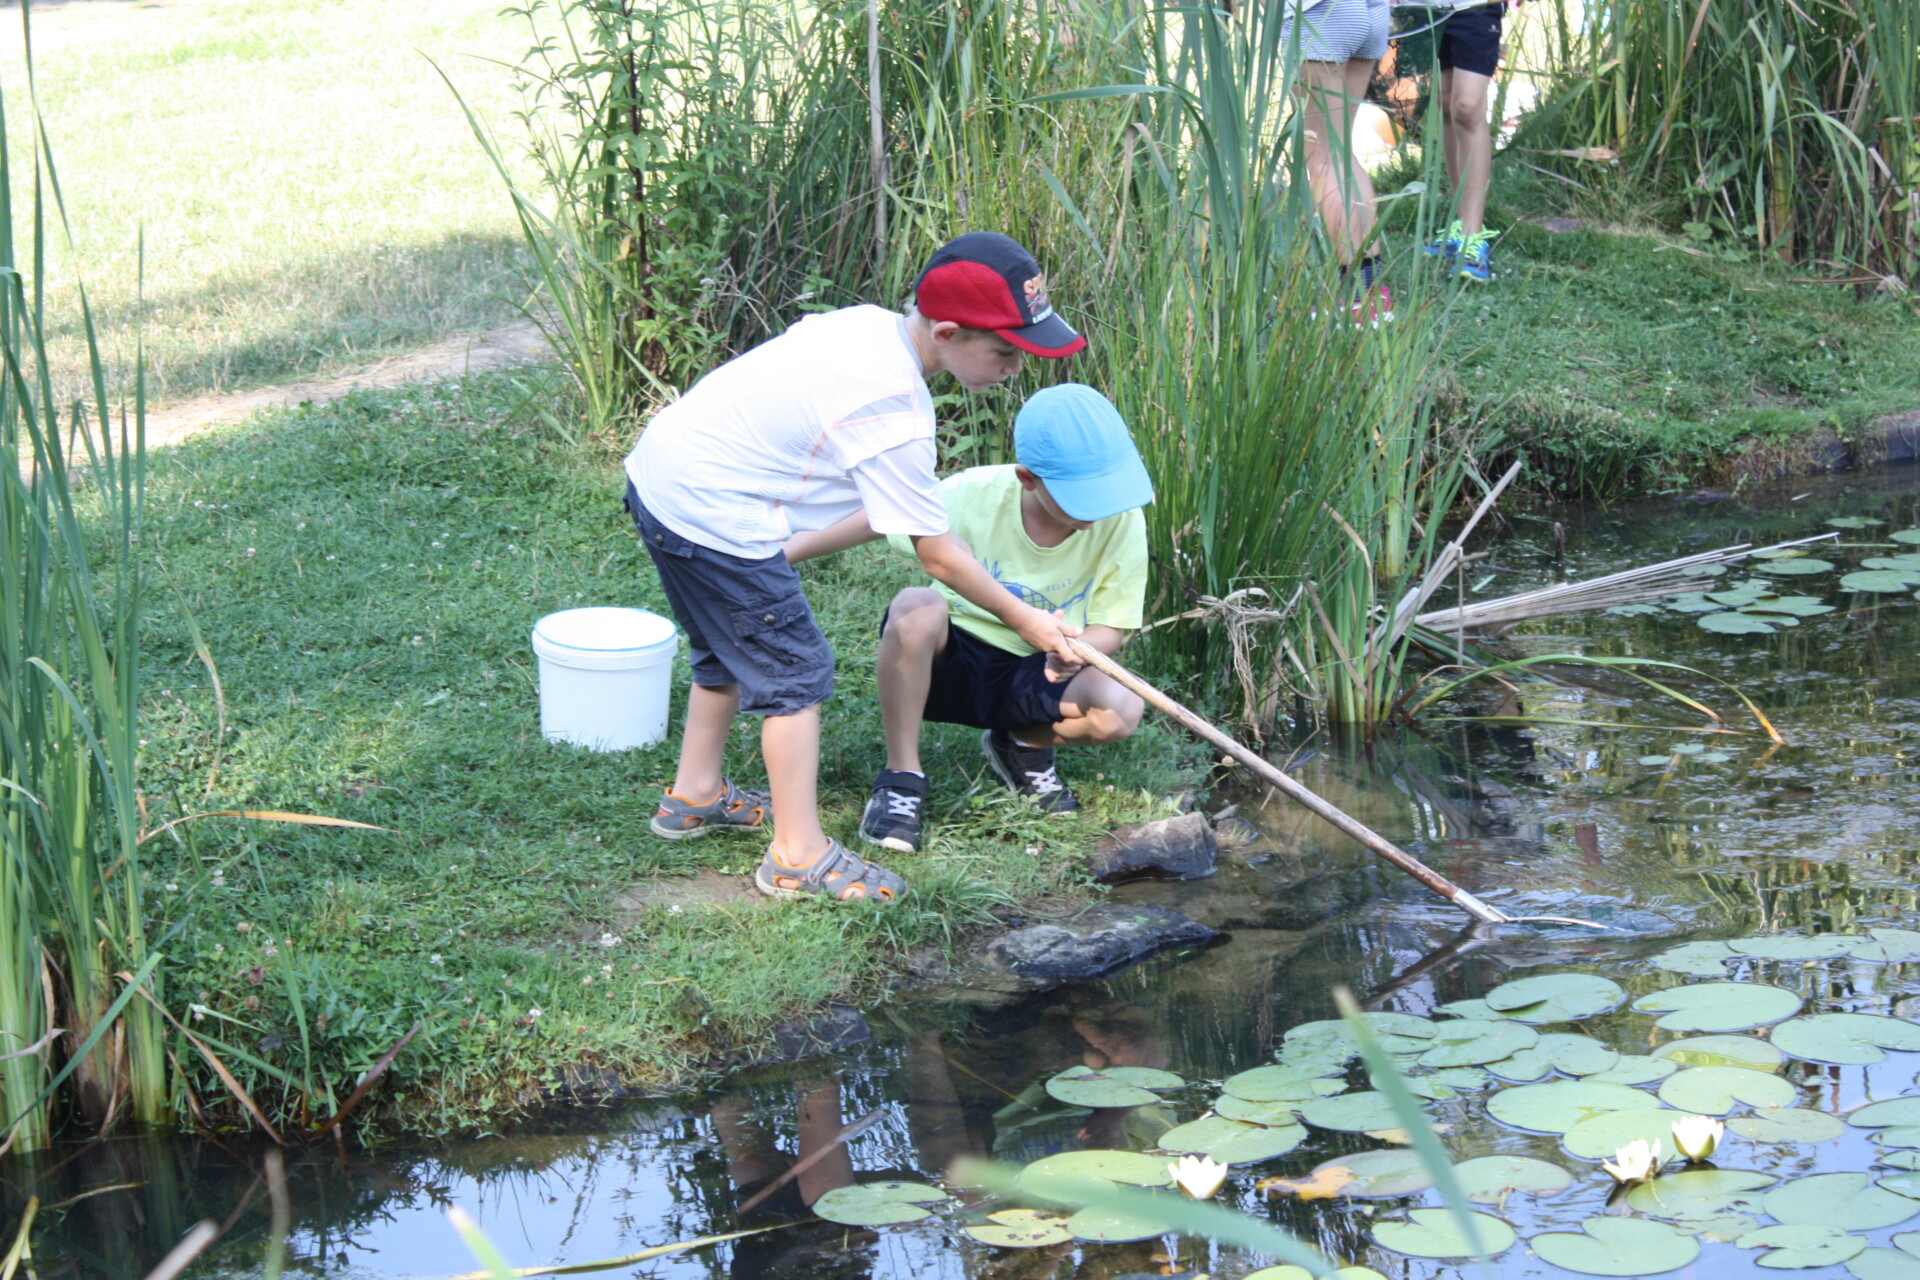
{"x": 747, "y": 622}
{"x": 979, "y": 684}
{"x": 1470, "y": 40}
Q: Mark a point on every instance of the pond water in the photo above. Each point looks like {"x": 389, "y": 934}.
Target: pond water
{"x": 1818, "y": 835}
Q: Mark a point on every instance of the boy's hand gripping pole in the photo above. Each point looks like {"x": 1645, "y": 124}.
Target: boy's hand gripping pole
{"x": 1278, "y": 779}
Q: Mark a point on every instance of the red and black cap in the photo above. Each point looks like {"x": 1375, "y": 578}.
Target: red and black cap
{"x": 985, "y": 280}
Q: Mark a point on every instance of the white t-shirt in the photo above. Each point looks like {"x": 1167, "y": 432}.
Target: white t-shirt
{"x": 798, "y": 433}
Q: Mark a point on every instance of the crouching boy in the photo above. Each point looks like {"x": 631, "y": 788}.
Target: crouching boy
{"x": 830, "y": 418}
{"x": 1061, "y": 529}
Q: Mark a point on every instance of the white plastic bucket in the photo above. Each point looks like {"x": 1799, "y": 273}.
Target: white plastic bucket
{"x": 604, "y": 676}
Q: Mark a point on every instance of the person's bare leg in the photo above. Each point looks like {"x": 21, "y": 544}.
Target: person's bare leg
{"x": 703, "y": 743}
{"x": 1095, "y": 708}
{"x": 915, "y": 635}
{"x": 818, "y": 1123}
{"x": 1326, "y": 120}
{"x": 1449, "y": 135}
{"x": 1361, "y": 213}
{"x": 791, "y": 746}
{"x": 1469, "y": 137}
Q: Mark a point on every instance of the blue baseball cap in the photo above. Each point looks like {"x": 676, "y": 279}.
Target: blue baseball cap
{"x": 1072, "y": 437}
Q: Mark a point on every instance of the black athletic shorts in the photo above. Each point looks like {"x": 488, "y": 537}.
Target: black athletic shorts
{"x": 747, "y": 622}
{"x": 983, "y": 685}
{"x": 1470, "y": 41}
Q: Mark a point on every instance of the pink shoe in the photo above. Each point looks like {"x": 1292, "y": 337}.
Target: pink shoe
{"x": 1373, "y": 308}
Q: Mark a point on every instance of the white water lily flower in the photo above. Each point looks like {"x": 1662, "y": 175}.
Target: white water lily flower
{"x": 1697, "y": 1136}
{"x": 1635, "y": 1162}
{"x": 1198, "y": 1176}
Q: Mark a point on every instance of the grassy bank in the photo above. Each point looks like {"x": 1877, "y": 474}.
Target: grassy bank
{"x": 1623, "y": 357}
{"x": 309, "y": 194}
{"x": 366, "y": 575}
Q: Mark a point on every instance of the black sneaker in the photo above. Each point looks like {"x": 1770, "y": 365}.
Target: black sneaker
{"x": 895, "y": 811}
{"x": 1028, "y": 770}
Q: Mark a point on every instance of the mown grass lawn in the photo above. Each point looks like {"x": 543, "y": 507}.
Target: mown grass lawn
{"x": 309, "y": 194}
{"x": 366, "y": 576}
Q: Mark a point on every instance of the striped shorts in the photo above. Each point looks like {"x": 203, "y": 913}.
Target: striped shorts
{"x": 1337, "y": 30}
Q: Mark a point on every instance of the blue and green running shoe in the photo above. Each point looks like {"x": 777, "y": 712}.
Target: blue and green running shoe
{"x": 1447, "y": 244}
{"x": 1476, "y": 257}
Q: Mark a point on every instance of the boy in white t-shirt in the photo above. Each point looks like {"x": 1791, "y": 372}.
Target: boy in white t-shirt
{"x": 831, "y": 417}
{"x": 1063, "y": 529}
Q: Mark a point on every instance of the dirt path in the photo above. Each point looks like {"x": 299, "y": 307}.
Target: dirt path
{"x": 517, "y": 343}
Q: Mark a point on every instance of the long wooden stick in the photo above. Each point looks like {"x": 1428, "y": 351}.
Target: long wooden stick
{"x": 1294, "y": 790}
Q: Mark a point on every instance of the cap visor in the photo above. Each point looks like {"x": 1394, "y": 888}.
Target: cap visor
{"x": 1052, "y": 337}
{"x": 1097, "y": 497}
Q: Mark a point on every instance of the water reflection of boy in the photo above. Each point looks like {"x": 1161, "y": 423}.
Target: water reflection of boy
{"x": 755, "y": 1162}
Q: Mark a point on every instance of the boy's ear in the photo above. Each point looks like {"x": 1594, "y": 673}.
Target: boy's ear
{"x": 1027, "y": 479}
{"x": 944, "y": 331}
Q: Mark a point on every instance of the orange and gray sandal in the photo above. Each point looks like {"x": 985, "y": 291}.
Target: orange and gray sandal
{"x": 831, "y": 874}
{"x": 681, "y": 819}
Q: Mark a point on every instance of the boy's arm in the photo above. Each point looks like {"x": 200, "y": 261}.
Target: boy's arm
{"x": 1098, "y": 636}
{"x": 810, "y": 543}
{"x": 944, "y": 556}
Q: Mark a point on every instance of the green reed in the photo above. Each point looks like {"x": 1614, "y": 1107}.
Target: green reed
{"x": 1785, "y": 126}
{"x": 73, "y": 951}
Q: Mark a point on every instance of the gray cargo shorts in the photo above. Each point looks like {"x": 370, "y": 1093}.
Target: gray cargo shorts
{"x": 1339, "y": 30}
{"x": 747, "y": 622}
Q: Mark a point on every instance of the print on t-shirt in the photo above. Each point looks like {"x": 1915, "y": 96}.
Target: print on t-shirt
{"x": 1037, "y": 598}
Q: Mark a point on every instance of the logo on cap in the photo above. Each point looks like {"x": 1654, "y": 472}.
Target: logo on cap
{"x": 1039, "y": 306}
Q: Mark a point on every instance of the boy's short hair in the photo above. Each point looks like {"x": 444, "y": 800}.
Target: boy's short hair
{"x": 985, "y": 280}
{"x": 1073, "y": 438}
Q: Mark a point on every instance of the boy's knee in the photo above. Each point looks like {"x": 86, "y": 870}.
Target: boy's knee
{"x": 1116, "y": 718}
{"x": 917, "y": 614}
{"x": 1465, "y": 108}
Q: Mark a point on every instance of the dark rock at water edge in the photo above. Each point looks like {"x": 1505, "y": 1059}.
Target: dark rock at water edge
{"x": 1182, "y": 848}
{"x": 1099, "y": 939}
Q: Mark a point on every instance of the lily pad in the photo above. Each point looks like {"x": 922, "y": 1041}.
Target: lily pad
{"x": 1881, "y": 581}
{"x": 1022, "y": 1229}
{"x": 1598, "y": 1137}
{"x": 1792, "y": 606}
{"x": 1110, "y": 1226}
{"x": 1291, "y": 1272}
{"x": 1739, "y": 597}
{"x": 1884, "y": 1264}
{"x": 1130, "y": 1167}
{"x": 1693, "y": 602}
{"x": 1637, "y": 1069}
{"x": 1465, "y": 1079}
{"x": 1232, "y": 1141}
{"x": 1436, "y": 1233}
{"x": 1080, "y": 1087}
{"x": 1617, "y": 1247}
{"x": 1380, "y": 1175}
{"x": 1901, "y": 1184}
{"x": 1722, "y": 1051}
{"x": 1906, "y": 535}
{"x": 1724, "y": 1227}
{"x": 1910, "y": 561}
{"x": 1719, "y": 1006}
{"x": 1555, "y": 997}
{"x": 1700, "y": 959}
{"x": 1795, "y": 1124}
{"x": 1904, "y": 1136}
{"x": 1472, "y": 1010}
{"x": 1654, "y": 762}
{"x": 1848, "y": 1201}
{"x": 1715, "y": 1091}
{"x": 1894, "y": 1111}
{"x": 1280, "y": 1084}
{"x": 1888, "y": 946}
{"x": 1805, "y": 1245}
{"x": 1823, "y": 946}
{"x": 1734, "y": 623}
{"x": 1469, "y": 1043}
{"x": 1559, "y": 1105}
{"x": 1351, "y": 1113}
{"x": 1795, "y": 567}
{"x": 1850, "y": 1039}
{"x": 1899, "y": 1159}
{"x": 1491, "y": 1179}
{"x": 877, "y": 1204}
{"x": 1855, "y": 522}
{"x": 1569, "y": 1054}
{"x": 1421, "y": 1087}
{"x": 1267, "y": 1113}
{"x": 1699, "y": 1193}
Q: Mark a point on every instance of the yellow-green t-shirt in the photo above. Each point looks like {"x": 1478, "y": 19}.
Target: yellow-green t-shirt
{"x": 1098, "y": 575}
